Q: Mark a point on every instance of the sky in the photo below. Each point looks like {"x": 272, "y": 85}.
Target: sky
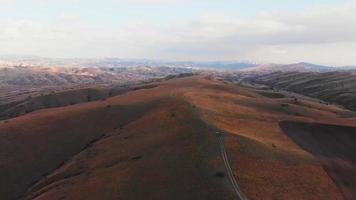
{"x": 279, "y": 31}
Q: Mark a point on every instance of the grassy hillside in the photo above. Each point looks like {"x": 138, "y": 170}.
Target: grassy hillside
{"x": 268, "y": 164}
{"x": 333, "y": 145}
{"x": 333, "y": 87}
{"x": 75, "y": 96}
{"x": 65, "y": 98}
{"x": 160, "y": 143}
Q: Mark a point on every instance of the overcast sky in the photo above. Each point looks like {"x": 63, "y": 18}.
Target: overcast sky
{"x": 281, "y": 31}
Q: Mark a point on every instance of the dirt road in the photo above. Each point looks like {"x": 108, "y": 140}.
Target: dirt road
{"x": 231, "y": 177}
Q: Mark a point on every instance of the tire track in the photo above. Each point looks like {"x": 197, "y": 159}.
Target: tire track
{"x": 230, "y": 174}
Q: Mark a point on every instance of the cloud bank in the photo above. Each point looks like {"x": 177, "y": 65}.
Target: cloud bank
{"x": 325, "y": 34}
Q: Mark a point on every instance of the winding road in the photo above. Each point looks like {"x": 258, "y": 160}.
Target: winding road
{"x": 230, "y": 174}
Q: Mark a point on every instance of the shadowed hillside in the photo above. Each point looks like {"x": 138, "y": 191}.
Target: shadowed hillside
{"x": 65, "y": 98}
{"x": 18, "y": 82}
{"x": 333, "y": 145}
{"x": 75, "y": 96}
{"x": 333, "y": 87}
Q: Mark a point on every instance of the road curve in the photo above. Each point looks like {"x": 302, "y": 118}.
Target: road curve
{"x": 231, "y": 176}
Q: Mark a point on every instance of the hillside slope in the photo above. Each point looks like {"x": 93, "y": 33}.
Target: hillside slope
{"x": 66, "y": 98}
{"x": 333, "y": 145}
{"x": 161, "y": 143}
{"x": 19, "y": 82}
{"x": 333, "y": 87}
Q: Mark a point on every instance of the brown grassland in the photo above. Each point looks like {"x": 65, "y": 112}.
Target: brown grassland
{"x": 157, "y": 143}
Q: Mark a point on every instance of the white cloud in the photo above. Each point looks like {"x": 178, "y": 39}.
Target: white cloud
{"x": 320, "y": 34}
{"x": 68, "y": 17}
{"x": 158, "y": 1}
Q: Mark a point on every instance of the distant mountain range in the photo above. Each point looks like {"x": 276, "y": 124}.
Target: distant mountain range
{"x": 6, "y": 61}
{"x": 21, "y": 76}
{"x": 298, "y": 67}
{"x": 118, "y": 63}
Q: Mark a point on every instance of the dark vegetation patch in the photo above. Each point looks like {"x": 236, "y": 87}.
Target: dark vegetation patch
{"x": 144, "y": 87}
{"x": 183, "y": 75}
{"x": 220, "y": 174}
{"x": 172, "y": 114}
{"x": 115, "y": 162}
{"x": 273, "y": 95}
{"x": 284, "y": 105}
{"x": 334, "y": 146}
{"x": 136, "y": 158}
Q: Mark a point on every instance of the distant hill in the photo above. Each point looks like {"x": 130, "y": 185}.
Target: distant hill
{"x": 217, "y": 65}
{"x": 119, "y": 63}
{"x": 334, "y": 87}
{"x": 66, "y": 98}
{"x": 297, "y": 67}
{"x": 19, "y": 82}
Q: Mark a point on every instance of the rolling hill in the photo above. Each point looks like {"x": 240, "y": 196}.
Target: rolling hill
{"x": 19, "y": 82}
{"x": 297, "y": 67}
{"x": 333, "y": 87}
{"x": 162, "y": 142}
